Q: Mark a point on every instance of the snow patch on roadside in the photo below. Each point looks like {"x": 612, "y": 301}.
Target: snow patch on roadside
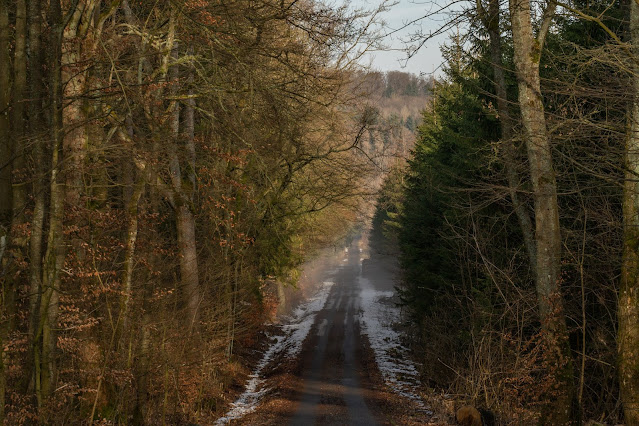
{"x": 302, "y": 319}
{"x": 295, "y": 329}
{"x": 377, "y": 315}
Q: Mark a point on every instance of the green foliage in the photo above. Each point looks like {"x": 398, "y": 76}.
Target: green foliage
{"x": 448, "y": 156}
{"x": 385, "y": 224}
{"x": 467, "y": 277}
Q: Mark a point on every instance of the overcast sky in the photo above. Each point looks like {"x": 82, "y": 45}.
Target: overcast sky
{"x": 428, "y": 59}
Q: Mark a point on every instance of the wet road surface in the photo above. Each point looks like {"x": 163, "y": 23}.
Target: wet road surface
{"x": 332, "y": 392}
{"x": 334, "y": 377}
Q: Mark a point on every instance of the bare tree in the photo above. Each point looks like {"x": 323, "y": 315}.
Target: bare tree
{"x": 628, "y": 308}
{"x": 5, "y": 141}
{"x": 527, "y": 55}
{"x": 490, "y": 18}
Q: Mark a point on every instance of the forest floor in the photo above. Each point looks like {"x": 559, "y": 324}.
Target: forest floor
{"x": 337, "y": 359}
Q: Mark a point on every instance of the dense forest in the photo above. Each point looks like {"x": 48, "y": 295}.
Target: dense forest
{"x": 163, "y": 167}
{"x": 167, "y": 166}
{"x": 516, "y": 215}
{"x": 396, "y": 100}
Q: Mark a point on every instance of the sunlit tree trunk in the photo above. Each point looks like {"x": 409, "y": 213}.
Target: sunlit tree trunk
{"x": 74, "y": 78}
{"x": 188, "y": 188}
{"x": 183, "y": 184}
{"x": 628, "y": 308}
{"x": 188, "y": 259}
{"x": 129, "y": 259}
{"x": 527, "y": 52}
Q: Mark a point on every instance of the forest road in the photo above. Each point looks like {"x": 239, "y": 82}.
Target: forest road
{"x": 332, "y": 377}
{"x": 335, "y": 379}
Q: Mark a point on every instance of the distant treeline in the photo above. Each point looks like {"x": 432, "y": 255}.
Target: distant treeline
{"x": 398, "y": 83}
{"x": 396, "y": 100}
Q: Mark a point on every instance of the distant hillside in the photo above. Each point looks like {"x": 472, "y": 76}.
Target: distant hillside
{"x": 398, "y": 99}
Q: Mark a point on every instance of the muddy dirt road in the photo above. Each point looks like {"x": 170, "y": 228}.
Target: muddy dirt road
{"x": 334, "y": 378}
{"x": 332, "y": 391}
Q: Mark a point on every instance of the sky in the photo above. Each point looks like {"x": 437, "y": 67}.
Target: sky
{"x": 428, "y": 60}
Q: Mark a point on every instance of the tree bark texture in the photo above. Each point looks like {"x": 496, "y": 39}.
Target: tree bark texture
{"x": 54, "y": 257}
{"x": 129, "y": 260}
{"x": 492, "y": 23}
{"x": 188, "y": 259}
{"x": 74, "y": 76}
{"x": 6, "y": 152}
{"x": 189, "y": 274}
{"x": 187, "y": 218}
{"x": 628, "y": 304}
{"x": 527, "y": 52}
{"x": 18, "y": 127}
{"x": 37, "y": 128}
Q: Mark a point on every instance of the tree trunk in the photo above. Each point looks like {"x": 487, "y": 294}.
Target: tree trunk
{"x": 141, "y": 369}
{"x": 188, "y": 219}
{"x": 628, "y": 307}
{"x": 54, "y": 257}
{"x": 188, "y": 260}
{"x": 5, "y": 140}
{"x": 189, "y": 134}
{"x": 36, "y": 124}
{"x": 492, "y": 23}
{"x": 129, "y": 260}
{"x": 18, "y": 235}
{"x": 6, "y": 154}
{"x": 74, "y": 78}
{"x": 527, "y": 51}
{"x": 19, "y": 100}
{"x": 183, "y": 187}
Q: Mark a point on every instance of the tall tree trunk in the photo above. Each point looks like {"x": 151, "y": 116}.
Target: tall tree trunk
{"x": 74, "y": 78}
{"x": 18, "y": 235}
{"x": 141, "y": 366}
{"x": 18, "y": 104}
{"x": 492, "y": 23}
{"x": 628, "y": 304}
{"x": 129, "y": 260}
{"x": 188, "y": 188}
{"x": 36, "y": 124}
{"x": 54, "y": 257}
{"x": 527, "y": 52}
{"x": 6, "y": 152}
{"x": 16, "y": 239}
{"x": 189, "y": 274}
{"x": 188, "y": 260}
